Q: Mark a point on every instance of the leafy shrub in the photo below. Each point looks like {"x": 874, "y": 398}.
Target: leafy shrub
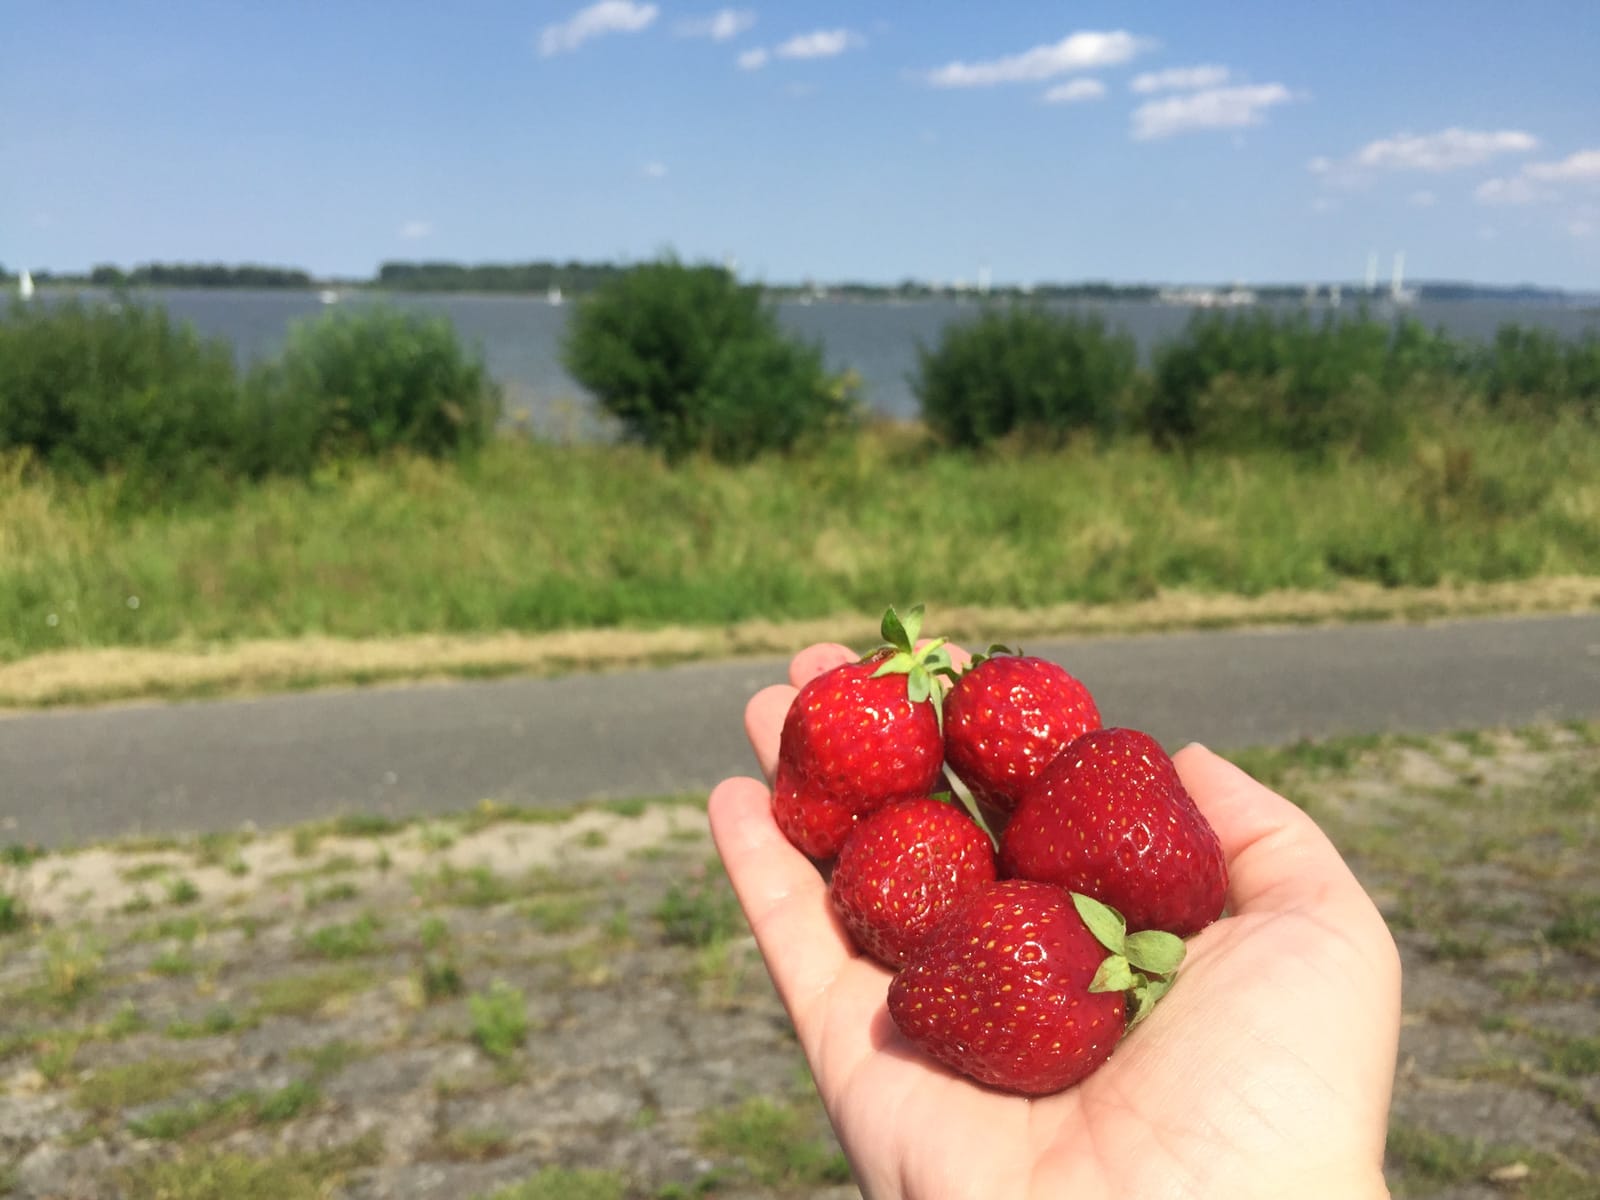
{"x": 1024, "y": 370}
{"x": 1536, "y": 371}
{"x": 96, "y": 388}
{"x": 353, "y": 385}
{"x": 691, "y": 361}
{"x": 1269, "y": 381}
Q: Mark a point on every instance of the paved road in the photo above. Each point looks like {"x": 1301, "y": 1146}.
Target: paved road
{"x": 70, "y": 776}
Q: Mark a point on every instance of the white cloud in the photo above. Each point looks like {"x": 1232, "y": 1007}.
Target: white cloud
{"x": 1582, "y": 167}
{"x": 1580, "y": 227}
{"x": 824, "y": 43}
{"x": 1514, "y": 189}
{"x": 1443, "y": 151}
{"x": 655, "y": 170}
{"x": 1320, "y": 165}
{"x": 1214, "y": 108}
{"x": 1074, "y": 91}
{"x": 412, "y": 230}
{"x": 720, "y": 26}
{"x": 1081, "y": 51}
{"x": 608, "y": 16}
{"x": 752, "y": 60}
{"x": 1324, "y": 204}
{"x": 1422, "y": 199}
{"x": 1176, "y": 79}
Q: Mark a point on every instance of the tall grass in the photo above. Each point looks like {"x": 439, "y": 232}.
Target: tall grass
{"x": 533, "y": 537}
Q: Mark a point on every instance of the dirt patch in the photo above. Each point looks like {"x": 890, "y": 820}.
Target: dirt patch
{"x": 88, "y": 676}
{"x": 445, "y": 1008}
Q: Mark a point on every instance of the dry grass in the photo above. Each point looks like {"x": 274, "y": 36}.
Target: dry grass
{"x": 126, "y": 673}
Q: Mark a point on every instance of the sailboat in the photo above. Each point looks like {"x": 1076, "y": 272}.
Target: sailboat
{"x": 553, "y": 296}
{"x": 25, "y": 286}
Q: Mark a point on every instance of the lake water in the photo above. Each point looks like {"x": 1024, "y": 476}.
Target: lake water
{"x": 520, "y": 336}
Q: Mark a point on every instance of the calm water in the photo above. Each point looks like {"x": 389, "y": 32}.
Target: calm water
{"x": 520, "y": 336}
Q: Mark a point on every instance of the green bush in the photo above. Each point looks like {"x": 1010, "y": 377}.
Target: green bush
{"x": 1265, "y": 381}
{"x": 1538, "y": 372}
{"x": 691, "y": 362}
{"x": 1024, "y": 370}
{"x": 369, "y": 383}
{"x": 90, "y": 389}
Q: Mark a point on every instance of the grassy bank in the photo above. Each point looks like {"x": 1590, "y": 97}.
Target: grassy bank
{"x": 507, "y": 1004}
{"x": 532, "y": 537}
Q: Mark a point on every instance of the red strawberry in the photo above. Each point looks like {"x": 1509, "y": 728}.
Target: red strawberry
{"x": 1023, "y": 986}
{"x": 1111, "y": 818}
{"x": 901, "y": 868}
{"x": 859, "y": 737}
{"x": 1006, "y": 719}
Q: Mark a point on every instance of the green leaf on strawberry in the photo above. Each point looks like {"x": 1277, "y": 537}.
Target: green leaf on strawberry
{"x": 1156, "y": 955}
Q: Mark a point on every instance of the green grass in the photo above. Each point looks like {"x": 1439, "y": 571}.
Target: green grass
{"x": 537, "y": 537}
{"x": 207, "y": 1174}
{"x": 773, "y": 1144}
{"x": 111, "y": 1089}
{"x": 349, "y": 939}
{"x": 304, "y": 995}
{"x": 701, "y": 912}
{"x": 560, "y": 1183}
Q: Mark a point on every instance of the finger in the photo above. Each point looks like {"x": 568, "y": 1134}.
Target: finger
{"x": 763, "y": 724}
{"x": 1278, "y": 858}
{"x": 814, "y": 660}
{"x": 784, "y": 898}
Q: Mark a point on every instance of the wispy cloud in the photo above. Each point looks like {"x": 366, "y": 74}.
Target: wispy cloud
{"x": 1422, "y": 199}
{"x": 608, "y": 16}
{"x": 413, "y": 230}
{"x": 654, "y": 170}
{"x": 823, "y": 43}
{"x": 1075, "y": 91}
{"x": 1447, "y": 150}
{"x": 1582, "y": 167}
{"x": 753, "y": 60}
{"x": 1180, "y": 79}
{"x": 1541, "y": 182}
{"x": 720, "y": 26}
{"x": 1212, "y": 108}
{"x": 1083, "y": 51}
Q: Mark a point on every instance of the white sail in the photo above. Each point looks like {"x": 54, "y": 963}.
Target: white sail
{"x": 25, "y": 285}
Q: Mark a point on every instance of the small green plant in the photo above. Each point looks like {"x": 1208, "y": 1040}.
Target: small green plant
{"x": 499, "y": 1019}
{"x": 433, "y": 933}
{"x": 71, "y": 968}
{"x": 205, "y": 1173}
{"x": 560, "y": 914}
{"x": 440, "y": 979}
{"x": 303, "y": 995}
{"x": 773, "y": 1144}
{"x": 218, "y": 1020}
{"x": 691, "y": 361}
{"x": 701, "y": 912}
{"x": 111, "y": 1089}
{"x": 182, "y": 890}
{"x": 13, "y": 912}
{"x": 350, "y": 939}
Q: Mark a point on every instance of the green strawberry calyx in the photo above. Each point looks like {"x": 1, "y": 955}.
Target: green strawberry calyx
{"x": 921, "y": 665}
{"x": 1142, "y": 964}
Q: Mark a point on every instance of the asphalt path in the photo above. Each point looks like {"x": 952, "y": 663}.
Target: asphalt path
{"x": 74, "y": 776}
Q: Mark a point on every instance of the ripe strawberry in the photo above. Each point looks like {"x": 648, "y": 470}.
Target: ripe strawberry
{"x": 1006, "y": 719}
{"x": 859, "y": 737}
{"x": 1111, "y": 818}
{"x": 901, "y": 868}
{"x": 1025, "y": 987}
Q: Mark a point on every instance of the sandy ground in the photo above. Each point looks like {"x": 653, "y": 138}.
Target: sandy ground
{"x": 571, "y": 1004}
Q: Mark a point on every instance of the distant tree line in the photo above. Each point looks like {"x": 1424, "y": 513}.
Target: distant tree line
{"x": 570, "y": 276}
{"x": 205, "y": 275}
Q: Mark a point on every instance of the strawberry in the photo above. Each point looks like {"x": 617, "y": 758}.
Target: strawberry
{"x": 1006, "y": 719}
{"x": 1026, "y": 987}
{"x": 860, "y": 736}
{"x": 1111, "y": 818}
{"x": 901, "y": 868}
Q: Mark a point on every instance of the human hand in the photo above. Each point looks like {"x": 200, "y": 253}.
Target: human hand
{"x": 1266, "y": 1071}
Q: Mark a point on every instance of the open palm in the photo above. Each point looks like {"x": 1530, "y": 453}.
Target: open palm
{"x": 1266, "y": 1071}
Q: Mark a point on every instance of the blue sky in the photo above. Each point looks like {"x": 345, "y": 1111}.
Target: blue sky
{"x": 1185, "y": 142}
